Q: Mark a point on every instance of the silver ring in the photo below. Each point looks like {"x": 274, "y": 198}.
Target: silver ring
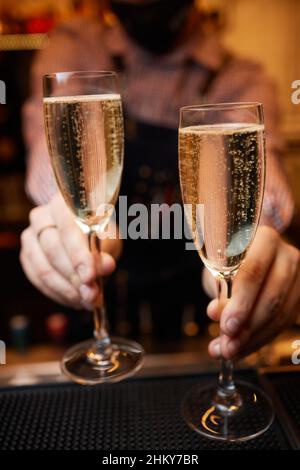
{"x": 39, "y": 233}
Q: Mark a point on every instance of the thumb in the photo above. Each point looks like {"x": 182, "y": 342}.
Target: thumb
{"x": 105, "y": 264}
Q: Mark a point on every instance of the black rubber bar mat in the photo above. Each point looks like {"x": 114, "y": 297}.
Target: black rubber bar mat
{"x": 141, "y": 413}
{"x": 285, "y": 391}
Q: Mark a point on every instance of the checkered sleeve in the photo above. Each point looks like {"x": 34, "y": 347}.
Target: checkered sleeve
{"x": 68, "y": 49}
{"x": 255, "y": 86}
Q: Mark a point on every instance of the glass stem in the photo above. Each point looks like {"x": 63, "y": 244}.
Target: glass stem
{"x": 227, "y": 398}
{"x": 103, "y": 350}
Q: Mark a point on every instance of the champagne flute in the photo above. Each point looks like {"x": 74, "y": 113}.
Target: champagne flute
{"x": 222, "y": 173}
{"x": 84, "y": 130}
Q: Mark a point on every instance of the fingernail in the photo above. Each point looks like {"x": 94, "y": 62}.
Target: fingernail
{"x": 232, "y": 325}
{"x": 233, "y": 346}
{"x": 84, "y": 272}
{"x": 217, "y": 349}
{"x": 86, "y": 292}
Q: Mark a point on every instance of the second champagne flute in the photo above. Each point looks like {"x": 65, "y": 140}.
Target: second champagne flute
{"x": 84, "y": 130}
{"x": 222, "y": 172}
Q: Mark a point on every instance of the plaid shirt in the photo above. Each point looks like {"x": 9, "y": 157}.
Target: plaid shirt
{"x": 153, "y": 90}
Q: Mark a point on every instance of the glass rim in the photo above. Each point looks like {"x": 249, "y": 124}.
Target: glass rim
{"x": 221, "y": 106}
{"x": 81, "y": 73}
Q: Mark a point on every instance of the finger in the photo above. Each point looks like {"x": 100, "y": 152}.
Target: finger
{"x": 225, "y": 346}
{"x": 270, "y": 314}
{"x": 31, "y": 275}
{"x": 89, "y": 293}
{"x": 230, "y": 347}
{"x": 214, "y": 348}
{"x": 257, "y": 341}
{"x": 112, "y": 245}
{"x": 48, "y": 279}
{"x": 249, "y": 281}
{"x": 74, "y": 240}
{"x": 56, "y": 255}
{"x": 265, "y": 332}
{"x": 270, "y": 303}
{"x": 216, "y": 306}
{"x": 35, "y": 280}
{"x": 40, "y": 217}
{"x": 213, "y": 310}
{"x": 105, "y": 264}
{"x": 292, "y": 300}
{"x": 209, "y": 283}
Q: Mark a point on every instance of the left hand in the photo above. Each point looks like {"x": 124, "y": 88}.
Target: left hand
{"x": 265, "y": 298}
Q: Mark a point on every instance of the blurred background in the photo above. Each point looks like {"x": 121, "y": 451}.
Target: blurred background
{"x": 34, "y": 328}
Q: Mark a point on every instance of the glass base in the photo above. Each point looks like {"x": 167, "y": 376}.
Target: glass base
{"x": 252, "y": 417}
{"x": 84, "y": 365}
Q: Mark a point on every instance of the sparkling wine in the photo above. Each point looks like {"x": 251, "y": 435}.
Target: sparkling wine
{"x": 222, "y": 187}
{"x": 86, "y": 143}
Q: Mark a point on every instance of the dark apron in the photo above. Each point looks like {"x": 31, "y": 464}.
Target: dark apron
{"x": 161, "y": 274}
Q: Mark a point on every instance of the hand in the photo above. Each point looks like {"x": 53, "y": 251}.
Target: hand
{"x": 265, "y": 298}
{"x": 58, "y": 261}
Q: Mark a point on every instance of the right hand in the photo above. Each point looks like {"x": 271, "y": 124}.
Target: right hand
{"x": 58, "y": 261}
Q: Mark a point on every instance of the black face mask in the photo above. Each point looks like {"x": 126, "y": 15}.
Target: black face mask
{"x": 154, "y": 25}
